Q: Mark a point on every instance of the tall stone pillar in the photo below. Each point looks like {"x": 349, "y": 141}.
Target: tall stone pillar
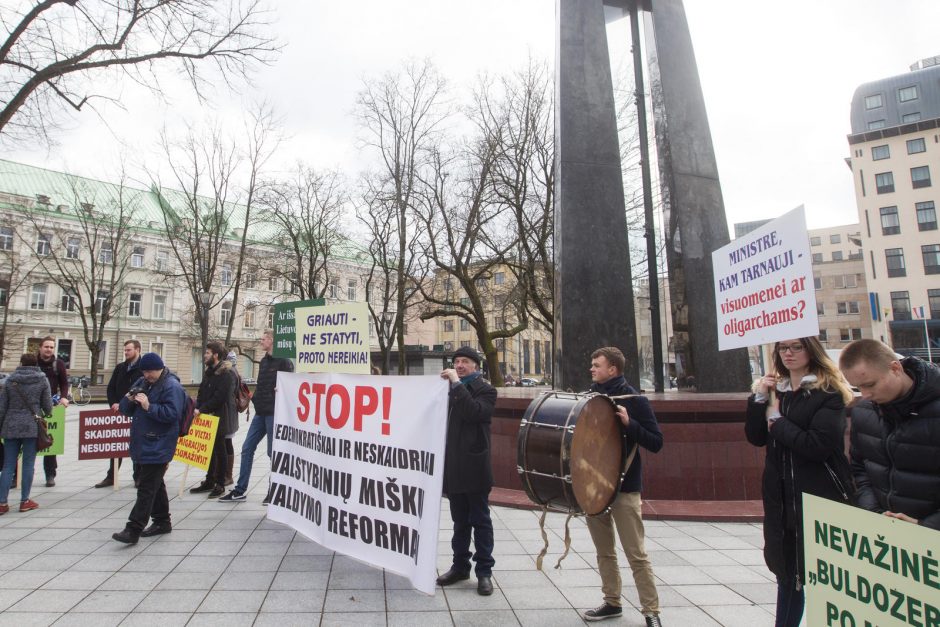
{"x": 593, "y": 283}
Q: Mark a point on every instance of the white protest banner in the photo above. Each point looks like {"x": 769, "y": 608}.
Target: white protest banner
{"x": 866, "y": 569}
{"x": 357, "y": 465}
{"x": 333, "y": 338}
{"x": 764, "y": 285}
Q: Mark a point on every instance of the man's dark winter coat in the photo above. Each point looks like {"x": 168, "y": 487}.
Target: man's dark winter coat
{"x": 122, "y": 378}
{"x": 467, "y": 466}
{"x": 263, "y": 396}
{"x": 154, "y": 431}
{"x": 217, "y": 395}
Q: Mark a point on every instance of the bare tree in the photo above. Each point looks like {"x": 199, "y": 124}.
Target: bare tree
{"x": 16, "y": 272}
{"x": 59, "y": 54}
{"x": 85, "y": 250}
{"x": 401, "y": 116}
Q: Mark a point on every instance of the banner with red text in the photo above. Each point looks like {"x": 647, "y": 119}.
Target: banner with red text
{"x": 357, "y": 465}
{"x": 103, "y": 434}
{"x": 764, "y": 288}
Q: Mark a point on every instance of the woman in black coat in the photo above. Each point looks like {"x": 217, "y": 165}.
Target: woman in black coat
{"x": 798, "y": 414}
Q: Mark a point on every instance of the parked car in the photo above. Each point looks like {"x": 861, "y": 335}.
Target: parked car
{"x": 528, "y": 383}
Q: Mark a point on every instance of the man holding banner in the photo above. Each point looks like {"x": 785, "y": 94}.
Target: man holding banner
{"x": 123, "y": 376}
{"x": 468, "y": 474}
{"x": 895, "y": 439}
{"x": 156, "y": 403}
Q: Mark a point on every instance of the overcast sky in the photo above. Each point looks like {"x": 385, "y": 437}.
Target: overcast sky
{"x": 778, "y": 79}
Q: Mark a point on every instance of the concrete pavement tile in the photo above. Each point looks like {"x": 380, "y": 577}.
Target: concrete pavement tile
{"x": 52, "y": 534}
{"x": 10, "y": 596}
{"x": 535, "y": 598}
{"x": 152, "y": 563}
{"x": 738, "y": 616}
{"x": 680, "y": 575}
{"x": 711, "y": 595}
{"x": 182, "y": 535}
{"x": 362, "y": 580}
{"x": 708, "y": 557}
{"x": 50, "y": 562}
{"x": 300, "y": 581}
{"x": 16, "y": 533}
{"x": 24, "y": 579}
{"x": 111, "y": 601}
{"x": 245, "y": 581}
{"x": 169, "y": 548}
{"x": 279, "y": 601}
{"x": 172, "y": 601}
{"x": 725, "y": 542}
{"x": 131, "y": 581}
{"x": 106, "y": 563}
{"x": 203, "y": 564}
{"x": 272, "y": 535}
{"x": 76, "y": 580}
{"x": 549, "y": 618}
{"x": 28, "y": 619}
{"x": 583, "y": 598}
{"x": 296, "y": 619}
{"x": 271, "y": 549}
{"x": 573, "y": 560}
{"x": 202, "y": 524}
{"x": 396, "y": 582}
{"x": 682, "y": 543}
{"x": 522, "y": 578}
{"x": 306, "y": 547}
{"x": 665, "y": 558}
{"x": 49, "y": 601}
{"x": 689, "y": 615}
{"x": 747, "y": 557}
{"x": 228, "y": 535}
{"x": 11, "y": 560}
{"x": 101, "y": 619}
{"x": 468, "y": 599}
{"x": 414, "y": 601}
{"x": 232, "y": 601}
{"x": 734, "y": 574}
{"x": 74, "y": 547}
{"x": 225, "y": 619}
{"x": 149, "y": 619}
{"x": 355, "y": 601}
{"x": 345, "y": 564}
{"x": 306, "y": 563}
{"x": 217, "y": 548}
{"x": 362, "y": 619}
{"x": 484, "y": 618}
{"x": 668, "y": 597}
{"x": 574, "y": 578}
{"x": 425, "y": 619}
{"x": 188, "y": 581}
{"x": 254, "y": 563}
{"x": 761, "y": 593}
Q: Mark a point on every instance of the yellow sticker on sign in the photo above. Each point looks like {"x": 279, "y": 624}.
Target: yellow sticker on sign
{"x": 195, "y": 449}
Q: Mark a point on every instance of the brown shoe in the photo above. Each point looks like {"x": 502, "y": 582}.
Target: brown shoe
{"x": 28, "y": 505}
{"x": 4, "y": 508}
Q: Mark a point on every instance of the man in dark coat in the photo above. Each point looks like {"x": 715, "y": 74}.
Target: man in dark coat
{"x": 156, "y": 414}
{"x": 895, "y": 432}
{"x": 58, "y": 376}
{"x": 217, "y": 397}
{"x": 468, "y": 473}
{"x": 641, "y": 429}
{"x": 123, "y": 376}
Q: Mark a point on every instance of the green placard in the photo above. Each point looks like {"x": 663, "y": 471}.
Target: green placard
{"x": 56, "y": 427}
{"x": 284, "y": 327}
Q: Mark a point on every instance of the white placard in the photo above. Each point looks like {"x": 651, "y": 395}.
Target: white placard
{"x": 357, "y": 465}
{"x": 764, "y": 285}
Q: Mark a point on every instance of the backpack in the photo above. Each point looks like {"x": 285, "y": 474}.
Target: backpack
{"x": 186, "y": 420}
{"x": 242, "y": 395}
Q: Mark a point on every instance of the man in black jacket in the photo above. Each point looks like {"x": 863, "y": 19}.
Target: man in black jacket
{"x": 468, "y": 473}
{"x": 58, "y": 375}
{"x": 217, "y": 397}
{"x": 641, "y": 429}
{"x": 895, "y": 432}
{"x": 262, "y": 425}
{"x": 123, "y": 376}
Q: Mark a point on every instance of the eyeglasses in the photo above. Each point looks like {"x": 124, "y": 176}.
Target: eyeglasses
{"x": 793, "y": 348}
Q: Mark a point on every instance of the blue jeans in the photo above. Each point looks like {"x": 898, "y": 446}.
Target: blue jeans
{"x": 790, "y": 603}
{"x": 11, "y": 450}
{"x": 260, "y": 427}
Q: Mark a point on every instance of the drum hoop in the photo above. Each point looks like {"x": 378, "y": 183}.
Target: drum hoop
{"x": 531, "y": 410}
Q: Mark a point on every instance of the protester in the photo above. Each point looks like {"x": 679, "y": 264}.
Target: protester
{"x": 468, "y": 473}
{"x": 217, "y": 397}
{"x": 58, "y": 376}
{"x": 123, "y": 376}
{"x": 155, "y": 403}
{"x": 804, "y": 432}
{"x": 25, "y": 395}
{"x": 641, "y": 429}
{"x": 262, "y": 425}
{"x": 895, "y": 433}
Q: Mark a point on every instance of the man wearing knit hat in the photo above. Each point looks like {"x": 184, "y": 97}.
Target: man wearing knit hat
{"x": 156, "y": 403}
{"x": 468, "y": 474}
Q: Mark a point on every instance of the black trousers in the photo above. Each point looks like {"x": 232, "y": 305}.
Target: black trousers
{"x": 110, "y": 474}
{"x": 218, "y": 465}
{"x": 152, "y": 501}
{"x": 471, "y": 513}
{"x": 50, "y": 465}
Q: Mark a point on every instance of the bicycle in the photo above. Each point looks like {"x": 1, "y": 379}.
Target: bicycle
{"x": 79, "y": 393}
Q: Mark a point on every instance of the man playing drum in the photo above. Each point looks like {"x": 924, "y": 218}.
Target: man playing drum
{"x": 641, "y": 429}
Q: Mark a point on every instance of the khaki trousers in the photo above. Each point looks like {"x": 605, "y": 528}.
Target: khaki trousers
{"x": 625, "y": 513}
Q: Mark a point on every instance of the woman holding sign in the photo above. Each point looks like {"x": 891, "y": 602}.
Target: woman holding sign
{"x": 798, "y": 414}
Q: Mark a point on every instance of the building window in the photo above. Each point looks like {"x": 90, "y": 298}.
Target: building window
{"x": 4, "y": 292}
{"x": 884, "y": 182}
{"x": 133, "y": 304}
{"x": 915, "y": 146}
{"x": 499, "y": 278}
{"x": 894, "y": 257}
{"x": 874, "y": 125}
{"x": 815, "y": 240}
{"x": 890, "y": 223}
{"x": 227, "y": 273}
{"x": 249, "y": 318}
{"x": 225, "y": 313}
{"x": 820, "y": 308}
{"x": 926, "y": 216}
{"x": 331, "y": 290}
{"x": 847, "y": 307}
{"x": 845, "y": 335}
{"x": 248, "y": 278}
{"x": 37, "y": 296}
{"x": 856, "y": 254}
{"x": 880, "y": 152}
{"x": 817, "y": 257}
{"x": 159, "y": 305}
{"x": 817, "y": 283}
{"x": 931, "y": 255}
{"x": 850, "y": 280}
{"x": 835, "y": 239}
{"x": 272, "y": 283}
{"x": 106, "y": 254}
{"x": 906, "y": 94}
{"x": 842, "y": 308}
{"x": 823, "y": 335}
{"x": 351, "y": 288}
{"x": 933, "y": 301}
{"x": 464, "y": 343}
{"x": 901, "y": 305}
{"x": 163, "y": 261}
{"x": 102, "y": 301}
{"x": 137, "y": 257}
{"x": 465, "y": 302}
{"x": 837, "y": 255}
{"x": 43, "y": 244}
{"x": 856, "y": 334}
{"x": 72, "y": 247}
{"x": 464, "y": 325}
{"x": 448, "y": 326}
{"x": 920, "y": 176}
{"x": 874, "y": 102}
{"x": 68, "y": 302}
{"x": 6, "y": 238}
{"x": 908, "y": 118}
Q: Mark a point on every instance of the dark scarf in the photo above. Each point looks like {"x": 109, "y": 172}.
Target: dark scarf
{"x": 611, "y": 386}
{"x": 470, "y": 378}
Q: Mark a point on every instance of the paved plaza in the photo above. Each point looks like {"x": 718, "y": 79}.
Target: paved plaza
{"x": 225, "y": 564}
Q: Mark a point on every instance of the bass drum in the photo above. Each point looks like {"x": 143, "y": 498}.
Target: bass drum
{"x": 571, "y": 452}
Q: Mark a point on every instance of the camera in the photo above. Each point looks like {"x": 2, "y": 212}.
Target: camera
{"x": 131, "y": 393}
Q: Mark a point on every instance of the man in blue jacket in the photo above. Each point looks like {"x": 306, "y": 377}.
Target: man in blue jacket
{"x": 641, "y": 429}
{"x": 156, "y": 403}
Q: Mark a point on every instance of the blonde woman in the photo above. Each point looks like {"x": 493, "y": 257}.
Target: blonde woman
{"x": 798, "y": 414}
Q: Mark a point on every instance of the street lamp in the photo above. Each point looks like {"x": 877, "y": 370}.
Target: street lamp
{"x": 205, "y": 299}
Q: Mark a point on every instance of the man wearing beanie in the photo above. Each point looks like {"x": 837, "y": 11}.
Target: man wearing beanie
{"x": 468, "y": 474}
{"x": 155, "y": 403}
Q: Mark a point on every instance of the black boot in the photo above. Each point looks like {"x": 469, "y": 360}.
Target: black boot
{"x": 205, "y": 486}
{"x": 128, "y": 536}
{"x": 156, "y": 529}
{"x": 228, "y": 472}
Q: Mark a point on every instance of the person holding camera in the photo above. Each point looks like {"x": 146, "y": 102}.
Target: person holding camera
{"x": 155, "y": 403}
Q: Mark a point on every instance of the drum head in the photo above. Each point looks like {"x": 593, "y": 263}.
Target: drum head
{"x": 596, "y": 456}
